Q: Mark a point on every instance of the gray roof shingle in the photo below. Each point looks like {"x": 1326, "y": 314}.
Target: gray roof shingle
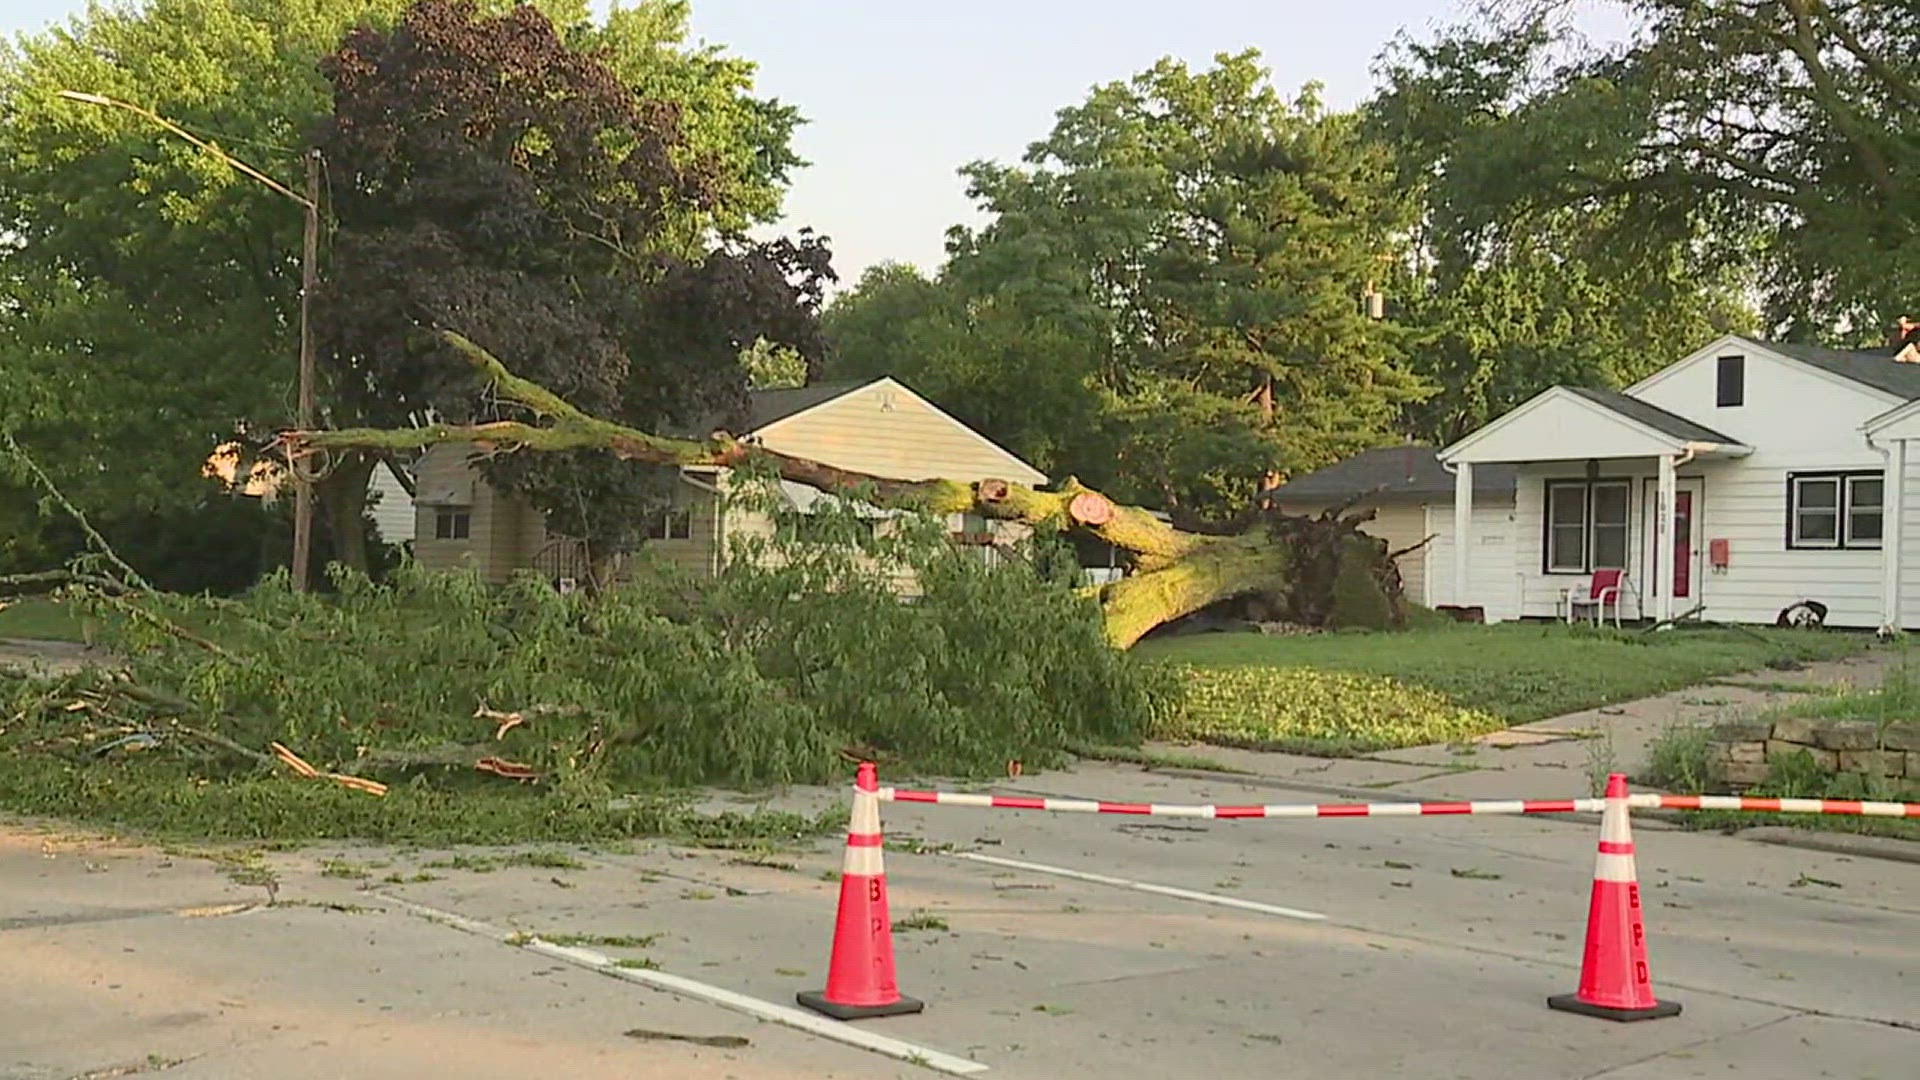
{"x": 767, "y": 406}
{"x": 1393, "y": 473}
{"x": 1875, "y": 368}
{"x": 1653, "y": 416}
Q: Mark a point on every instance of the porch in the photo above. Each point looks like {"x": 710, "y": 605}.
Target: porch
{"x": 1606, "y": 482}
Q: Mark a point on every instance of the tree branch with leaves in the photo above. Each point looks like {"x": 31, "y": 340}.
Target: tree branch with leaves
{"x": 1293, "y": 562}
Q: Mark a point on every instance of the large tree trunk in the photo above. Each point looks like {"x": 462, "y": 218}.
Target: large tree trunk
{"x": 343, "y": 501}
{"x": 1315, "y": 571}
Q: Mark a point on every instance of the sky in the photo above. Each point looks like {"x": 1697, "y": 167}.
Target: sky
{"x": 899, "y": 94}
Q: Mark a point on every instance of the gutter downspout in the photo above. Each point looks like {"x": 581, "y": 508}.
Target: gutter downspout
{"x": 1462, "y": 527}
{"x": 1893, "y": 509}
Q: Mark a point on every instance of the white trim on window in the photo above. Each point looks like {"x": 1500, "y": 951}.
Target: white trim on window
{"x": 1581, "y": 534}
{"x": 1848, "y": 511}
{"x": 1562, "y": 533}
{"x": 1854, "y": 507}
{"x": 1827, "y": 511}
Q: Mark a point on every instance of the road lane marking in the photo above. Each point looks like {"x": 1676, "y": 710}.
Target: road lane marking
{"x": 789, "y": 1016}
{"x": 1143, "y": 886}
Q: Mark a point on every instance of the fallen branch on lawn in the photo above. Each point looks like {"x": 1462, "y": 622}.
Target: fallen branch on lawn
{"x": 293, "y": 761}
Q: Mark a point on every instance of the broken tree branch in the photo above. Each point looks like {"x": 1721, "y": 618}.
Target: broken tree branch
{"x": 1177, "y": 572}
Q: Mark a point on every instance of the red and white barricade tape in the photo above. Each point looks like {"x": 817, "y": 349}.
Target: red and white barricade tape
{"x": 1403, "y": 809}
{"x": 1775, "y": 806}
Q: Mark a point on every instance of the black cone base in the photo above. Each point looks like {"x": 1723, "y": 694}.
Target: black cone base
{"x": 819, "y": 1003}
{"x": 1572, "y": 1003}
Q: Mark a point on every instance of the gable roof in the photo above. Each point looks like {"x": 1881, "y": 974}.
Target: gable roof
{"x": 1653, "y": 416}
{"x": 1872, "y": 371}
{"x": 1410, "y": 472}
{"x": 768, "y": 406}
{"x": 1874, "y": 367}
{"x": 799, "y": 402}
{"x": 1565, "y": 422}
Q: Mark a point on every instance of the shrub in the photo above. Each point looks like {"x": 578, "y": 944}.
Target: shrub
{"x": 802, "y": 651}
{"x": 1682, "y": 759}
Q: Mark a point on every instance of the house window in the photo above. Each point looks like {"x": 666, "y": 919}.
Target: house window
{"x": 1834, "y": 510}
{"x": 452, "y": 523}
{"x": 971, "y": 530}
{"x": 1863, "y": 511}
{"x": 1732, "y": 385}
{"x": 670, "y": 524}
{"x": 1586, "y": 525}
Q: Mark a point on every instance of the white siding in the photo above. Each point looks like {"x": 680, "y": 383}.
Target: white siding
{"x": 1493, "y": 577}
{"x": 1791, "y": 412}
{"x": 1797, "y": 419}
{"x": 391, "y": 506}
{"x": 1910, "y": 544}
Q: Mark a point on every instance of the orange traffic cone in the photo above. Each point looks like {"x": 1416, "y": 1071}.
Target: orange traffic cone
{"x": 860, "y": 975}
{"x": 1614, "y": 983}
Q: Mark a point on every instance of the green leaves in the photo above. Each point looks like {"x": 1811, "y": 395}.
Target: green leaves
{"x": 1316, "y": 711}
{"x": 1167, "y": 299}
{"x": 802, "y": 651}
{"x": 1765, "y": 138}
{"x": 1534, "y": 264}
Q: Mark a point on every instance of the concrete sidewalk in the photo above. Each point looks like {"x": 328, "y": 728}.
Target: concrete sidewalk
{"x": 1569, "y": 756}
{"x": 1559, "y": 756}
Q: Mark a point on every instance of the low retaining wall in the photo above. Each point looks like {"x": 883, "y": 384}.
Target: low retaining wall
{"x": 1889, "y": 754}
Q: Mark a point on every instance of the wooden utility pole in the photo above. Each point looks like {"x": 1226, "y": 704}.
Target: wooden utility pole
{"x": 309, "y": 281}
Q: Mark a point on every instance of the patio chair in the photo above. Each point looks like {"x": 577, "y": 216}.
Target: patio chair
{"x": 1606, "y": 590}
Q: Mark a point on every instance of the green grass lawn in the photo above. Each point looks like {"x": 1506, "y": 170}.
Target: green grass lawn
{"x": 1358, "y": 692}
{"x": 1519, "y": 672}
{"x": 38, "y": 619}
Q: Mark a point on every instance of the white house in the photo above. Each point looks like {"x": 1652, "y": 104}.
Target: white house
{"x": 1741, "y": 479}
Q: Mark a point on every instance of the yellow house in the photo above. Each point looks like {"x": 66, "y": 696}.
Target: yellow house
{"x": 879, "y": 427}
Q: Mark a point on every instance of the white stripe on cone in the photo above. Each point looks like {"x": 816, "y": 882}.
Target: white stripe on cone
{"x": 1616, "y": 868}
{"x": 862, "y": 862}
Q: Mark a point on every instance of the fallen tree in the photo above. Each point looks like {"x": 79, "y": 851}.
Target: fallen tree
{"x": 1315, "y": 571}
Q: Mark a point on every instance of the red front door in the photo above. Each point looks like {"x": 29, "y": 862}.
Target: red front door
{"x": 1682, "y": 544}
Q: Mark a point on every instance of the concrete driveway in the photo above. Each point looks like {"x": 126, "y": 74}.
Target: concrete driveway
{"x": 1439, "y": 941}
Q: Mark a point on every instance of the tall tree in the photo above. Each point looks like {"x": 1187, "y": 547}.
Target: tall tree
{"x": 551, "y": 210}
{"x": 1504, "y": 292}
{"x": 1791, "y": 128}
{"x": 1199, "y": 247}
{"x": 149, "y": 293}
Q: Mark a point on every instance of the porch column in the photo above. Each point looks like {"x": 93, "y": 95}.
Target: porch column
{"x": 1663, "y": 542}
{"x": 1462, "y": 531}
{"x": 1893, "y": 501}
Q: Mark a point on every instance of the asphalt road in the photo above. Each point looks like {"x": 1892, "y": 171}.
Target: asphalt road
{"x": 1439, "y": 941}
